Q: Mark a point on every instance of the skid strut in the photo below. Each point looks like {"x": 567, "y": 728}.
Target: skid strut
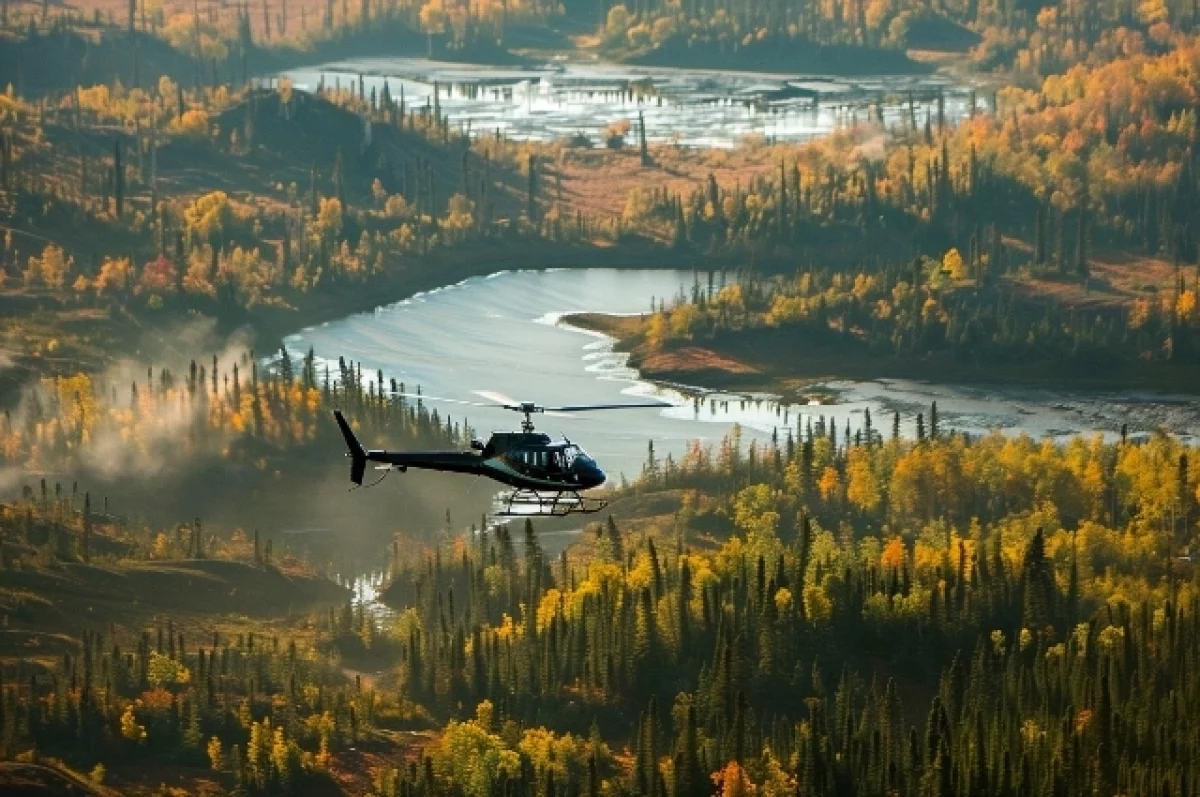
{"x": 531, "y": 503}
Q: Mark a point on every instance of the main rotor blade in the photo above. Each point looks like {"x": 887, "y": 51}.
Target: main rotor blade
{"x": 500, "y": 398}
{"x": 506, "y": 402}
{"x": 586, "y": 407}
{"x": 426, "y": 397}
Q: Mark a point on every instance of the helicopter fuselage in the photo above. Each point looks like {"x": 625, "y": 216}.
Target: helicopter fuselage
{"x": 523, "y": 460}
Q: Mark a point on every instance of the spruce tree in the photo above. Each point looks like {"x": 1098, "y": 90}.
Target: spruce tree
{"x": 86, "y": 551}
{"x": 531, "y": 189}
{"x": 118, "y": 180}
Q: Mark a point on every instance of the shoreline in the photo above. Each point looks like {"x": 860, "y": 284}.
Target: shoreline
{"x": 718, "y": 366}
{"x": 439, "y": 271}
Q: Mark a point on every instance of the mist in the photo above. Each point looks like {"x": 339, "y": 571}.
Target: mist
{"x": 154, "y": 452}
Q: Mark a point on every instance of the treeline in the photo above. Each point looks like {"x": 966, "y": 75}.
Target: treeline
{"x": 264, "y": 37}
{"x": 950, "y": 308}
{"x": 1025, "y": 38}
{"x": 1119, "y": 507}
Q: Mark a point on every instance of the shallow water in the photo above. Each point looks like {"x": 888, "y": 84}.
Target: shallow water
{"x": 697, "y": 108}
{"x": 367, "y": 591}
{"x": 502, "y": 333}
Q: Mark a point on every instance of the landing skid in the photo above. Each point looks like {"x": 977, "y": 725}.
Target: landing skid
{"x": 531, "y": 503}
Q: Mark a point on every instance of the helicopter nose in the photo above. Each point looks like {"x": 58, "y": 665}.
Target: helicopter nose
{"x": 589, "y": 474}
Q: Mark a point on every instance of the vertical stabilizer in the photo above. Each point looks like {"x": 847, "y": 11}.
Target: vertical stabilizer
{"x": 358, "y": 456}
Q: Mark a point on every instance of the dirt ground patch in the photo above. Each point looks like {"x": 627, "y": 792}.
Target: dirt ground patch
{"x": 354, "y": 770}
{"x": 1116, "y": 279}
{"x": 598, "y": 182}
{"x": 691, "y": 359}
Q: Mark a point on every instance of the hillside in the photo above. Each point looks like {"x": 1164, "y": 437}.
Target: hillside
{"x": 43, "y": 602}
{"x": 262, "y": 150}
{"x": 58, "y": 61}
{"x": 282, "y": 143}
{"x": 37, "y": 780}
{"x": 54, "y": 61}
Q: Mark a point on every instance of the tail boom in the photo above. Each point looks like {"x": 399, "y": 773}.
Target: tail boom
{"x": 448, "y": 461}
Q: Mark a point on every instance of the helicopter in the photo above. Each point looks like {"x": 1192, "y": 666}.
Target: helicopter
{"x": 547, "y": 476}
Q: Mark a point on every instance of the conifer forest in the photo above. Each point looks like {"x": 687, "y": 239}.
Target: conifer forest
{"x": 915, "y": 285}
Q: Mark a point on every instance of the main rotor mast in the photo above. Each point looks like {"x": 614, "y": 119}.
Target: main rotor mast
{"x": 528, "y": 408}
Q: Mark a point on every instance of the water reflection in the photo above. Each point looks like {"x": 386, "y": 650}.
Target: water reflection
{"x": 696, "y": 108}
{"x": 367, "y": 592}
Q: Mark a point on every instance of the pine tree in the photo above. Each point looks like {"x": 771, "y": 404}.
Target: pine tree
{"x": 645, "y": 153}
{"x": 339, "y": 179}
{"x": 531, "y": 189}
{"x": 1060, "y": 243}
{"x": 1037, "y": 584}
{"x": 118, "y": 180}
{"x": 1039, "y": 237}
{"x": 1081, "y": 256}
{"x": 86, "y": 551}
{"x": 689, "y": 775}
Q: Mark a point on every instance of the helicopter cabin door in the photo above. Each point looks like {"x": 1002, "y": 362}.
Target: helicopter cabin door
{"x": 541, "y": 463}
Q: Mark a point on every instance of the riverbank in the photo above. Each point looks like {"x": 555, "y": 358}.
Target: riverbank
{"x": 781, "y": 361}
{"x": 49, "y": 335}
{"x": 442, "y": 268}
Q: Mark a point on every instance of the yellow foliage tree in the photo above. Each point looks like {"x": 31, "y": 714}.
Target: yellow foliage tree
{"x": 732, "y": 781}
{"x": 193, "y": 124}
{"x": 131, "y": 729}
{"x": 208, "y": 216}
{"x": 862, "y": 488}
{"x": 829, "y": 485}
{"x": 216, "y": 756}
{"x": 51, "y": 269}
{"x": 953, "y": 265}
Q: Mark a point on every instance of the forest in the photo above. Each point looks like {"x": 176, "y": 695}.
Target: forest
{"x": 1029, "y": 600}
{"x": 193, "y": 600}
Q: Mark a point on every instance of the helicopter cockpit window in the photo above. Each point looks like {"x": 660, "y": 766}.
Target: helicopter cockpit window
{"x": 569, "y": 455}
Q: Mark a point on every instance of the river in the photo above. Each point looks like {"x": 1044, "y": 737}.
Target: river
{"x": 502, "y": 333}
{"x": 688, "y": 107}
